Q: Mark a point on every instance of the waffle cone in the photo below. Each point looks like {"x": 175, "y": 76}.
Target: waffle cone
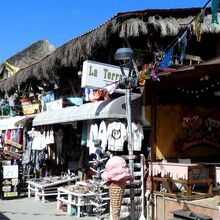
{"x": 116, "y": 193}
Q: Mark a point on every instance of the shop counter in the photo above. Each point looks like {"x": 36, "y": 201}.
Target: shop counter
{"x": 42, "y": 187}
{"x": 73, "y": 198}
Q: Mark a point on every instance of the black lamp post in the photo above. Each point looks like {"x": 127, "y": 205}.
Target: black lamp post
{"x": 126, "y": 54}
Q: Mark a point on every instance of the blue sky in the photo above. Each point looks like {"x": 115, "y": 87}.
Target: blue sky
{"x": 24, "y": 22}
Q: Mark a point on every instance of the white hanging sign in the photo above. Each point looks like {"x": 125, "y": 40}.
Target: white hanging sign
{"x": 98, "y": 75}
{"x": 10, "y": 171}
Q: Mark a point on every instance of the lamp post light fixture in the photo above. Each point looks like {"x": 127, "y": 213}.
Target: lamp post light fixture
{"x": 126, "y": 54}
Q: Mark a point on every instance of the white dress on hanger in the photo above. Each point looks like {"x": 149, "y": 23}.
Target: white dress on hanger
{"x": 102, "y": 134}
{"x": 93, "y": 135}
{"x": 138, "y": 136}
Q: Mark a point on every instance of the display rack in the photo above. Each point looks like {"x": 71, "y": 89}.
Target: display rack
{"x": 41, "y": 188}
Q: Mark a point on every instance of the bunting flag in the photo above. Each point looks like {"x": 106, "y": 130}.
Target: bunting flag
{"x": 112, "y": 87}
{"x": 215, "y": 5}
{"x": 10, "y": 68}
{"x": 167, "y": 59}
{"x": 183, "y": 44}
{"x": 198, "y": 24}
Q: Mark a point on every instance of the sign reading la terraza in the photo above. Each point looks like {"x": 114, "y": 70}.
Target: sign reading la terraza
{"x": 98, "y": 75}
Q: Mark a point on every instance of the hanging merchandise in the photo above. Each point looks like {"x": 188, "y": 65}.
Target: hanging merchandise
{"x": 142, "y": 78}
{"x": 58, "y": 136}
{"x": 11, "y": 69}
{"x": 116, "y": 134}
{"x": 102, "y": 135}
{"x": 182, "y": 45}
{"x": 198, "y": 24}
{"x": 134, "y": 81}
{"x": 148, "y": 70}
{"x": 167, "y": 59}
{"x": 87, "y": 93}
{"x": 93, "y": 135}
{"x": 39, "y": 142}
{"x": 75, "y": 101}
{"x": 154, "y": 73}
{"x": 215, "y": 5}
{"x": 112, "y": 87}
{"x": 138, "y": 136}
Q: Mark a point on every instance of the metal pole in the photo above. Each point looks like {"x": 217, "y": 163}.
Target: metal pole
{"x": 130, "y": 150}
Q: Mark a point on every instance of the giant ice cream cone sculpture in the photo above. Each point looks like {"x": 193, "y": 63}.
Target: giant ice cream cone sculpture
{"x": 116, "y": 173}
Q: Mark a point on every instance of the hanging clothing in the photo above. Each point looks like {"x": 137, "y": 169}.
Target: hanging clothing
{"x": 48, "y": 97}
{"x": 168, "y": 59}
{"x": 183, "y": 43}
{"x": 116, "y": 135}
{"x": 51, "y": 137}
{"x": 112, "y": 87}
{"x": 84, "y": 134}
{"x": 87, "y": 94}
{"x": 215, "y": 5}
{"x": 47, "y": 138}
{"x": 93, "y": 135}
{"x": 58, "y": 137}
{"x": 78, "y": 101}
{"x": 39, "y": 142}
{"x": 102, "y": 134}
{"x": 198, "y": 24}
{"x": 138, "y": 136}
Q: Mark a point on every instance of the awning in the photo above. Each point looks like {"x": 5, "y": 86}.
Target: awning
{"x": 98, "y": 110}
{"x": 14, "y": 122}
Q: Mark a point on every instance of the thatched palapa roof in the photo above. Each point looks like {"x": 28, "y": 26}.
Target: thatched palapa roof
{"x": 167, "y": 22}
{"x": 24, "y": 60}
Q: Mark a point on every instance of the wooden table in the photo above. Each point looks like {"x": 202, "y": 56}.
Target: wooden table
{"x": 73, "y": 199}
{"x": 41, "y": 189}
{"x": 178, "y": 173}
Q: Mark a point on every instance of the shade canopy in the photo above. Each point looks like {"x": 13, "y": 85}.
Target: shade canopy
{"x": 14, "y": 122}
{"x": 99, "y": 110}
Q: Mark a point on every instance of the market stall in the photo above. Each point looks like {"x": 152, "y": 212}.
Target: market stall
{"x": 47, "y": 186}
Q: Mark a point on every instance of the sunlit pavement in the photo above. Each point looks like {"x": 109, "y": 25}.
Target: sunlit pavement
{"x": 29, "y": 209}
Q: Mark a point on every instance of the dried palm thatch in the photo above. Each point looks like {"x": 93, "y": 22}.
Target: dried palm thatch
{"x": 167, "y": 22}
{"x": 25, "y": 61}
{"x": 30, "y": 55}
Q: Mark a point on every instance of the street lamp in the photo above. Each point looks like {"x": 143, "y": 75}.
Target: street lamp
{"x": 126, "y": 54}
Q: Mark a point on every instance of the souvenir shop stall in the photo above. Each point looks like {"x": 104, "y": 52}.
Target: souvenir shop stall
{"x": 84, "y": 138}
{"x": 12, "y": 146}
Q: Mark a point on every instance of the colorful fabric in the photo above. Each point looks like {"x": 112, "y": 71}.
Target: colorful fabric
{"x": 198, "y": 24}
{"x": 183, "y": 43}
{"x": 75, "y": 101}
{"x": 10, "y": 68}
{"x": 215, "y": 5}
{"x": 168, "y": 59}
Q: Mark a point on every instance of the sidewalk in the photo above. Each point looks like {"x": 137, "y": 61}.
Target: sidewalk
{"x": 29, "y": 209}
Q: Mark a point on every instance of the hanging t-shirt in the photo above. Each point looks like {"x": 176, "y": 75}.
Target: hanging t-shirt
{"x": 138, "y": 136}
{"x": 116, "y": 134}
{"x": 102, "y": 135}
{"x": 93, "y": 135}
{"x": 39, "y": 142}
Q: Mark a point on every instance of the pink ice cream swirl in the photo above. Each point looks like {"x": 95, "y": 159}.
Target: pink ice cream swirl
{"x": 116, "y": 170}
